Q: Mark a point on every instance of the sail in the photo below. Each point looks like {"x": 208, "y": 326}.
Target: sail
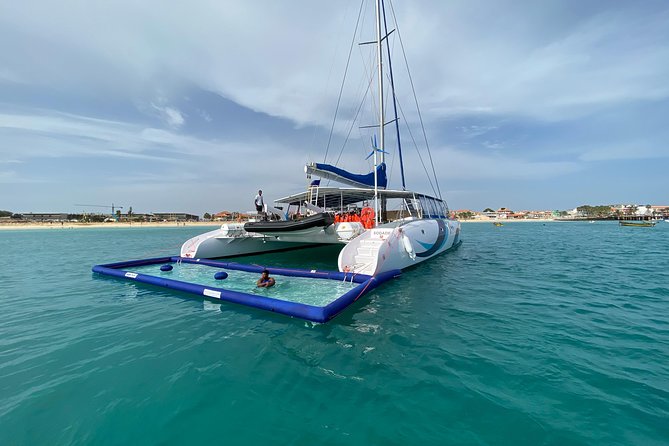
{"x": 336, "y": 174}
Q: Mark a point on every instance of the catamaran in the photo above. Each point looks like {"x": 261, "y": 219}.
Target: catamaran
{"x": 397, "y": 228}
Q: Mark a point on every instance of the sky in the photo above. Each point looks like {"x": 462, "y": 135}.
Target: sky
{"x": 193, "y": 107}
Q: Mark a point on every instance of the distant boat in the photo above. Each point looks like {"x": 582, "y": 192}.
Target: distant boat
{"x": 498, "y": 223}
{"x": 641, "y": 224}
{"x": 592, "y": 221}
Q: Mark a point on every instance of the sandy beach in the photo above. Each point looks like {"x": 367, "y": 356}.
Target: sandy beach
{"x": 68, "y": 225}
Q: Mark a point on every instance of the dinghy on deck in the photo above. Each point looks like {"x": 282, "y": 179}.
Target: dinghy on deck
{"x": 316, "y": 228}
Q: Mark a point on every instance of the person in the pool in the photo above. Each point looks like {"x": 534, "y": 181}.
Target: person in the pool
{"x": 265, "y": 280}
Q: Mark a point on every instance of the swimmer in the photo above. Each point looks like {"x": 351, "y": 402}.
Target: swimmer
{"x": 265, "y": 280}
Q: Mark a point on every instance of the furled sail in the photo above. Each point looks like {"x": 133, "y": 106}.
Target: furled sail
{"x": 330, "y": 172}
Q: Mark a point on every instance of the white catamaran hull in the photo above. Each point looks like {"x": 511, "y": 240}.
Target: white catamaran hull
{"x": 231, "y": 240}
{"x": 385, "y": 249}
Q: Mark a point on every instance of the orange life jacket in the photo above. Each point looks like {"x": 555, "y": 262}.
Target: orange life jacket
{"x": 367, "y": 217}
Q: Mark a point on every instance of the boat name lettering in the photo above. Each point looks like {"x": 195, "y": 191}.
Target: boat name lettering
{"x": 131, "y": 275}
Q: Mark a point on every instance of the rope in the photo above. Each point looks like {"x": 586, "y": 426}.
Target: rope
{"x": 413, "y": 89}
{"x": 420, "y": 157}
{"x": 343, "y": 82}
{"x": 364, "y": 289}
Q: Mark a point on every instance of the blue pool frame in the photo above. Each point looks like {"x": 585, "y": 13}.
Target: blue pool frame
{"x": 309, "y": 312}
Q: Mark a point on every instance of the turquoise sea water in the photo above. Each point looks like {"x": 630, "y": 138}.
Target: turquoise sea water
{"x": 529, "y": 334}
{"x": 317, "y": 292}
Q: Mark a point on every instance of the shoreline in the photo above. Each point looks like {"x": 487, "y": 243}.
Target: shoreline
{"x": 544, "y": 220}
{"x": 125, "y": 225}
{"x": 69, "y": 225}
{"x": 513, "y": 220}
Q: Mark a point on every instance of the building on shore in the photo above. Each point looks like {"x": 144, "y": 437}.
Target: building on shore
{"x": 173, "y": 216}
{"x": 230, "y": 216}
{"x": 46, "y": 216}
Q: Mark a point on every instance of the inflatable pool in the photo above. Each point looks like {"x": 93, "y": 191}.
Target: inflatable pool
{"x": 313, "y": 295}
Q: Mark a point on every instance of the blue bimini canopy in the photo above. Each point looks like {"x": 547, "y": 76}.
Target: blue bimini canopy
{"x": 336, "y": 174}
{"x": 358, "y": 284}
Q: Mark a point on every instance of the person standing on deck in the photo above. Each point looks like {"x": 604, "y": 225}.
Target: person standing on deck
{"x": 259, "y": 203}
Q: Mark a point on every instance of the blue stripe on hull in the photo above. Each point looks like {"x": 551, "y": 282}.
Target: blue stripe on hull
{"x": 441, "y": 238}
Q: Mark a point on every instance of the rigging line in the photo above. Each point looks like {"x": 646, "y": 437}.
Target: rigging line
{"x": 355, "y": 118}
{"x": 420, "y": 116}
{"x": 370, "y": 80}
{"x": 365, "y": 83}
{"x": 392, "y": 154}
{"x": 420, "y": 157}
{"x": 327, "y": 82}
{"x": 370, "y": 72}
{"x": 343, "y": 81}
{"x": 392, "y": 87}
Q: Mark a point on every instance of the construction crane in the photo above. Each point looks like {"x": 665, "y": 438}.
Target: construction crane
{"x": 102, "y": 206}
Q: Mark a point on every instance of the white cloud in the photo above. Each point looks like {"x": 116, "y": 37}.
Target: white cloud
{"x": 170, "y": 115}
{"x": 7, "y": 176}
{"x": 7, "y": 76}
{"x": 12, "y": 177}
{"x": 639, "y": 150}
{"x": 173, "y": 117}
{"x": 493, "y": 145}
{"x": 274, "y": 57}
{"x": 472, "y": 131}
{"x": 557, "y": 60}
{"x": 454, "y": 164}
{"x": 55, "y": 134}
{"x": 204, "y": 115}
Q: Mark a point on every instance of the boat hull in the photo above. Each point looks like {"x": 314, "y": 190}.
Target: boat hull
{"x": 639, "y": 224}
{"x": 223, "y": 242}
{"x": 386, "y": 249}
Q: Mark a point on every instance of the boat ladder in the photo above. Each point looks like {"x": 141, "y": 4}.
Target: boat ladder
{"x": 313, "y": 192}
{"x": 367, "y": 255}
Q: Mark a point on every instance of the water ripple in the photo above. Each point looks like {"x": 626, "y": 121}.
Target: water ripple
{"x": 528, "y": 334}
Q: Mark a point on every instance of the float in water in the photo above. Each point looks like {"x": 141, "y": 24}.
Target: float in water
{"x": 154, "y": 272}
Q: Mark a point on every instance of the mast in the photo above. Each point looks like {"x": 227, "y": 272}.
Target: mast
{"x": 392, "y": 89}
{"x": 381, "y": 116}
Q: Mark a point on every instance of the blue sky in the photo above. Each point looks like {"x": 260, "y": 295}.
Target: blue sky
{"x": 193, "y": 107}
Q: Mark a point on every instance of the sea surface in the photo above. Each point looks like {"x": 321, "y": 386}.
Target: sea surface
{"x": 528, "y": 334}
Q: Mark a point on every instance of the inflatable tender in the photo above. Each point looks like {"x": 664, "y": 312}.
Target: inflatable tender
{"x": 313, "y": 313}
{"x": 323, "y": 220}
